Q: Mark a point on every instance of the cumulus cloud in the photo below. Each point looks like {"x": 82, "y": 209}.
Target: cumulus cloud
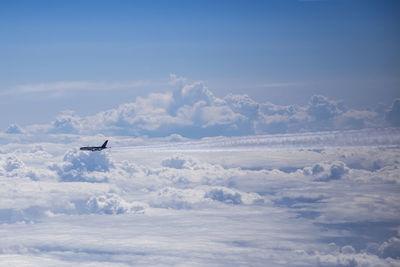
{"x": 84, "y": 166}
{"x": 230, "y": 196}
{"x": 67, "y": 122}
{"x": 13, "y": 166}
{"x": 323, "y": 109}
{"x": 328, "y": 172}
{"x": 224, "y": 196}
{"x": 192, "y": 110}
{"x": 112, "y": 204}
{"x": 177, "y": 162}
{"x": 312, "y": 199}
{"x": 12, "y": 163}
{"x": 244, "y": 105}
{"x": 177, "y": 198}
{"x": 172, "y": 202}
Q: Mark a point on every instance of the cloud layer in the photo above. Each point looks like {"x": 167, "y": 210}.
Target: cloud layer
{"x": 168, "y": 204}
{"x": 322, "y": 190}
{"x": 191, "y": 110}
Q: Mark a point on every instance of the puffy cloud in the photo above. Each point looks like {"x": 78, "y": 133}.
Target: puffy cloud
{"x": 244, "y": 105}
{"x": 224, "y": 196}
{"x": 12, "y": 163}
{"x": 13, "y": 166}
{"x": 348, "y": 250}
{"x": 87, "y": 161}
{"x": 67, "y": 122}
{"x": 257, "y": 200}
{"x": 176, "y": 138}
{"x": 201, "y": 197}
{"x": 177, "y": 162}
{"x": 327, "y": 171}
{"x": 112, "y": 204}
{"x": 230, "y": 196}
{"x": 84, "y": 166}
{"x": 189, "y": 94}
{"x": 350, "y": 259}
{"x": 191, "y": 110}
{"x": 337, "y": 170}
{"x": 317, "y": 169}
{"x": 262, "y": 206}
{"x": 323, "y": 109}
{"x": 177, "y": 198}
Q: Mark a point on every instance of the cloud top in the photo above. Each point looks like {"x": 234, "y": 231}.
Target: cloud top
{"x": 191, "y": 110}
{"x": 84, "y": 166}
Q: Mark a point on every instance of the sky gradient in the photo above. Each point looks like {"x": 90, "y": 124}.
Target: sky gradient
{"x": 278, "y": 51}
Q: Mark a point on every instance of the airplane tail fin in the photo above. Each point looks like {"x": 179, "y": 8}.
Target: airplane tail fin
{"x": 105, "y": 144}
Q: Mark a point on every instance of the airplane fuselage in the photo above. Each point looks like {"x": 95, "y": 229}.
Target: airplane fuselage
{"x": 92, "y": 148}
{"x": 95, "y": 148}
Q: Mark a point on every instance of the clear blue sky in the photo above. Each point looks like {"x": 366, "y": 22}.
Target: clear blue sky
{"x": 280, "y": 51}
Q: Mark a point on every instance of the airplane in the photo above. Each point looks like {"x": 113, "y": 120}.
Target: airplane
{"x": 95, "y": 148}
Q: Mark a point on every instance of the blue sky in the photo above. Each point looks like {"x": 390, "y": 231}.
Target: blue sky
{"x": 278, "y": 51}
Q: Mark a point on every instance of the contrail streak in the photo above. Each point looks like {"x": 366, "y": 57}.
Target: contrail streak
{"x": 382, "y": 137}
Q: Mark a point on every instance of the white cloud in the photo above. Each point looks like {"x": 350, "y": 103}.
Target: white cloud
{"x": 67, "y": 122}
{"x": 295, "y": 198}
{"x": 323, "y": 109}
{"x": 178, "y": 163}
{"x": 244, "y": 105}
{"x": 229, "y": 196}
{"x": 328, "y": 172}
{"x": 112, "y": 204}
{"x": 84, "y": 166}
{"x": 191, "y": 110}
{"x": 12, "y": 163}
{"x": 254, "y": 207}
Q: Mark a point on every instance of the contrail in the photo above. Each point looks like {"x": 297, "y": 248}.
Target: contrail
{"x": 380, "y": 137}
